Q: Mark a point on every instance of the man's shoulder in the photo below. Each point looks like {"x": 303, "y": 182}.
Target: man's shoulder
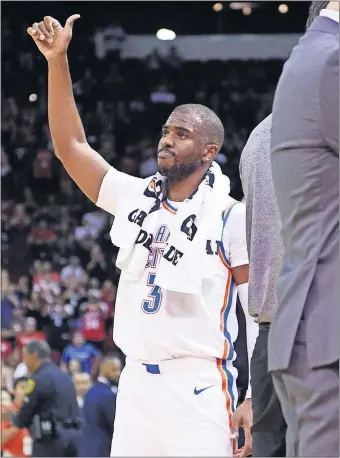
{"x": 235, "y": 210}
{"x": 259, "y": 140}
{"x": 97, "y": 388}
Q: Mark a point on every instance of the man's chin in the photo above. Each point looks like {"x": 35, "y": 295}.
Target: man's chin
{"x": 164, "y": 171}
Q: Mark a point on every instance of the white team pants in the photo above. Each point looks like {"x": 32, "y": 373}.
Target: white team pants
{"x": 180, "y": 407}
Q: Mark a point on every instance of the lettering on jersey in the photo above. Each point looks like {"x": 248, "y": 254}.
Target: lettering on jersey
{"x": 162, "y": 234}
{"x": 212, "y": 247}
{"x": 157, "y": 249}
{"x": 137, "y": 217}
{"x": 189, "y": 227}
{"x": 154, "y": 188}
{"x": 145, "y": 239}
{"x": 173, "y": 255}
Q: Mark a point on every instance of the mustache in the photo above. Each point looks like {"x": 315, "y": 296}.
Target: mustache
{"x": 166, "y": 150}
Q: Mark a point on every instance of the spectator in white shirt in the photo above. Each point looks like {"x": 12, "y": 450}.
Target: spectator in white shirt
{"x": 73, "y": 269}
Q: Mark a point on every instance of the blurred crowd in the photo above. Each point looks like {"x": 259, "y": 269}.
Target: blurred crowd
{"x": 58, "y": 279}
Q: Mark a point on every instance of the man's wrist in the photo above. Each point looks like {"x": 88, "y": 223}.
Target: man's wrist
{"x": 57, "y": 58}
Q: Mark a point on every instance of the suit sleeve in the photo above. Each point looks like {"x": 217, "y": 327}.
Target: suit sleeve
{"x": 329, "y": 101}
{"x": 113, "y": 186}
{"x": 109, "y": 411}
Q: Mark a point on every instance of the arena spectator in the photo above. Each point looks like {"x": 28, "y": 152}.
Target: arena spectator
{"x": 14, "y": 442}
{"x": 6, "y": 369}
{"x": 94, "y": 313}
{"x": 97, "y": 267}
{"x": 74, "y": 367}
{"x": 84, "y": 352}
{"x": 29, "y": 333}
{"x": 9, "y": 302}
{"x": 29, "y": 201}
{"x": 73, "y": 269}
{"x": 7, "y": 176}
{"x": 41, "y": 237}
{"x": 20, "y": 219}
{"x": 47, "y": 274}
{"x": 20, "y": 371}
{"x": 108, "y": 41}
{"x": 96, "y": 220}
{"x": 108, "y": 295}
{"x": 82, "y": 382}
{"x": 99, "y": 410}
{"x": 22, "y": 290}
{"x": 57, "y": 329}
{"x": 18, "y": 393}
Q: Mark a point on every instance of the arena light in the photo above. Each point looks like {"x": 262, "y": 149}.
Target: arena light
{"x": 165, "y": 34}
{"x": 240, "y": 5}
{"x": 218, "y": 7}
{"x": 246, "y": 10}
{"x": 33, "y": 98}
{"x": 236, "y": 5}
{"x": 283, "y": 8}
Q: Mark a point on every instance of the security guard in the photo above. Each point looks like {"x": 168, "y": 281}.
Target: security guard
{"x": 50, "y": 410}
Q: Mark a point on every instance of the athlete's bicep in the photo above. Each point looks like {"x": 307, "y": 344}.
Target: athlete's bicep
{"x": 234, "y": 236}
{"x": 113, "y": 185}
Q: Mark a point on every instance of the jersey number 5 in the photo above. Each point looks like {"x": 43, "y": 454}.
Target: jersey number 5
{"x": 153, "y": 303}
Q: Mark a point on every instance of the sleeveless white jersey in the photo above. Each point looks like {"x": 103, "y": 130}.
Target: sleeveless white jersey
{"x": 152, "y": 324}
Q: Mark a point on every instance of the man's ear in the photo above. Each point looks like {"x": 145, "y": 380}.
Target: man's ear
{"x": 211, "y": 151}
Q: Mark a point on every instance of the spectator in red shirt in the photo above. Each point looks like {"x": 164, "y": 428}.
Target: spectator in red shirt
{"x": 94, "y": 313}
{"x": 41, "y": 237}
{"x": 109, "y": 292}
{"x": 6, "y": 350}
{"x": 47, "y": 274}
{"x": 30, "y": 333}
{"x": 14, "y": 441}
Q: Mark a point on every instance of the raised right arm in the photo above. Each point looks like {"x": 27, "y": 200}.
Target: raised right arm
{"x": 85, "y": 166}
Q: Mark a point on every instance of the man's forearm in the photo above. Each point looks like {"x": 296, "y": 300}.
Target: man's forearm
{"x": 65, "y": 124}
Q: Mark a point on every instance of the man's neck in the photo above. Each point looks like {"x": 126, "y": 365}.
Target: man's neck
{"x": 333, "y": 6}
{"x": 179, "y": 191}
{"x": 41, "y": 363}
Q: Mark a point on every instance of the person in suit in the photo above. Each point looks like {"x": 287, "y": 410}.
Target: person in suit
{"x": 82, "y": 383}
{"x": 99, "y": 411}
{"x": 265, "y": 250}
{"x": 304, "y": 335}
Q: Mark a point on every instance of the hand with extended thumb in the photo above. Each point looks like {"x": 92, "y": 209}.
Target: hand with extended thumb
{"x": 51, "y": 38}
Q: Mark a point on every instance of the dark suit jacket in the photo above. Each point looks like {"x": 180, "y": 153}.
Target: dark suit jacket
{"x": 98, "y": 416}
{"x": 305, "y": 167}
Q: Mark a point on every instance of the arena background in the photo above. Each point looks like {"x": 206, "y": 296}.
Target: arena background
{"x": 57, "y": 258}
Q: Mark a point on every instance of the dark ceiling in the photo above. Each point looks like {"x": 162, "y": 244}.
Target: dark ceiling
{"x": 139, "y": 17}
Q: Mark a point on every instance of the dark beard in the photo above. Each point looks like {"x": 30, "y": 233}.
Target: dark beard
{"x": 178, "y": 172}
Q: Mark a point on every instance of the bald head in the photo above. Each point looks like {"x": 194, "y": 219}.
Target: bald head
{"x": 209, "y": 123}
{"x": 110, "y": 368}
